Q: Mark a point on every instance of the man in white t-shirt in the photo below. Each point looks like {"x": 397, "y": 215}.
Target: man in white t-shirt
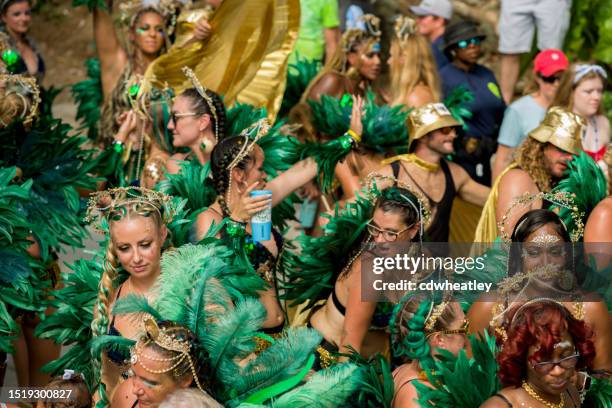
{"x": 526, "y": 113}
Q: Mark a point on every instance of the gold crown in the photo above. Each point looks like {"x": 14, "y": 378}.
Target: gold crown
{"x": 23, "y": 86}
{"x": 202, "y": 91}
{"x": 166, "y": 8}
{"x": 562, "y": 129}
{"x": 559, "y": 198}
{"x": 405, "y": 27}
{"x": 354, "y": 35}
{"x": 252, "y": 134}
{"x": 434, "y": 314}
{"x": 104, "y": 203}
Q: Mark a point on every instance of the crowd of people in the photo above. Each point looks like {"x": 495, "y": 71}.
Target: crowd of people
{"x": 243, "y": 162}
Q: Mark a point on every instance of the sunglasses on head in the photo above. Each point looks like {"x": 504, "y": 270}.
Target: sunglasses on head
{"x": 550, "y": 79}
{"x": 471, "y": 41}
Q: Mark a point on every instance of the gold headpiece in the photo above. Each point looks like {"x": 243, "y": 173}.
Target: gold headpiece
{"x": 434, "y": 314}
{"x": 428, "y": 118}
{"x": 424, "y": 209}
{"x": 23, "y": 86}
{"x": 405, "y": 27}
{"x": 562, "y": 129}
{"x": 251, "y": 136}
{"x": 202, "y": 91}
{"x": 559, "y": 198}
{"x": 354, "y": 35}
{"x": 168, "y": 9}
{"x": 102, "y": 204}
{"x": 167, "y": 341}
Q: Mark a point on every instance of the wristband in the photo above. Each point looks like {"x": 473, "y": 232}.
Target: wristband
{"x": 118, "y": 146}
{"x": 354, "y": 135}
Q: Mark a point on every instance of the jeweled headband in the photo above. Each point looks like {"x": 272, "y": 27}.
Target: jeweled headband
{"x": 202, "y": 92}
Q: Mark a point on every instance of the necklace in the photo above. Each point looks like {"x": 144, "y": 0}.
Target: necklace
{"x": 533, "y": 394}
{"x": 423, "y": 164}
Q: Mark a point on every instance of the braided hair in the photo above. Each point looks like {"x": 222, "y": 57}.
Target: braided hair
{"x": 408, "y": 335}
{"x": 200, "y": 106}
{"x": 222, "y": 155}
{"x": 112, "y": 274}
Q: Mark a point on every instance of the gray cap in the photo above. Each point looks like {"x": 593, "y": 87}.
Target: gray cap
{"x": 440, "y": 8}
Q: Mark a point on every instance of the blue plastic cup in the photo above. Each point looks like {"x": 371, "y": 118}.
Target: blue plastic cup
{"x": 261, "y": 223}
{"x": 308, "y": 213}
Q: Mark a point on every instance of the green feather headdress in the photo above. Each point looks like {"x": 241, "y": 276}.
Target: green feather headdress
{"x": 588, "y": 186}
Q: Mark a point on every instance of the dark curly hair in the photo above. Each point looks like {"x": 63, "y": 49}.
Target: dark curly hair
{"x": 222, "y": 155}
{"x": 542, "y": 324}
{"x": 200, "y": 106}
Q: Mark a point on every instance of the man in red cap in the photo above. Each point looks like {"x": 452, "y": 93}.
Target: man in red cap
{"x": 526, "y": 113}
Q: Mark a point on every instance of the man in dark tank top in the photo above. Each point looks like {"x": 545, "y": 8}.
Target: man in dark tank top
{"x": 432, "y": 131}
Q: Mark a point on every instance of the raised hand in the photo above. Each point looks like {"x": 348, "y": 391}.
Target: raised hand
{"x": 247, "y": 206}
{"x": 357, "y": 114}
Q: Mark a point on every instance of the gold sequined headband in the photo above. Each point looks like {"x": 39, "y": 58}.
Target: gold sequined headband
{"x": 103, "y": 203}
{"x": 424, "y": 209}
{"x": 434, "y": 314}
{"x": 21, "y": 86}
{"x": 405, "y": 27}
{"x": 202, "y": 92}
{"x": 559, "y": 198}
{"x": 165, "y": 340}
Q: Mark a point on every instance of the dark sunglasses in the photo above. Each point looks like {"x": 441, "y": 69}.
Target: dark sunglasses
{"x": 471, "y": 41}
{"x": 550, "y": 79}
{"x": 546, "y": 367}
{"x": 446, "y": 130}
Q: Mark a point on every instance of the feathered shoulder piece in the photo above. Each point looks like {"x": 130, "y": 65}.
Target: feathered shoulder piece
{"x": 460, "y": 381}
{"x": 587, "y": 184}
{"x": 88, "y": 97}
{"x": 299, "y": 75}
{"x": 384, "y": 127}
{"x": 312, "y": 264}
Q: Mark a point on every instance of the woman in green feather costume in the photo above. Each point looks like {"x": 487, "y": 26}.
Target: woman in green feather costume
{"x": 326, "y": 272}
{"x": 420, "y": 328}
{"x": 238, "y": 168}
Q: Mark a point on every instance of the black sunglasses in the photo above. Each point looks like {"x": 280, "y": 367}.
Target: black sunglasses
{"x": 550, "y": 79}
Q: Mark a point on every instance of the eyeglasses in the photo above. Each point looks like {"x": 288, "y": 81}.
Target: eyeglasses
{"x": 175, "y": 116}
{"x": 389, "y": 236}
{"x": 471, "y": 41}
{"x": 463, "y": 330}
{"x": 550, "y": 79}
{"x": 545, "y": 367}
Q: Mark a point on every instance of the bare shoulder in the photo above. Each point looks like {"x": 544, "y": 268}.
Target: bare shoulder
{"x": 173, "y": 164}
{"x": 597, "y": 228}
{"x": 204, "y": 221}
{"x": 420, "y": 95}
{"x": 596, "y": 313}
{"x": 331, "y": 83}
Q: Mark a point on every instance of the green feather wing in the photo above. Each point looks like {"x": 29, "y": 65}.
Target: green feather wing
{"x": 311, "y": 265}
{"x": 331, "y": 116}
{"x": 456, "y": 374}
{"x": 88, "y": 97}
{"x": 587, "y": 182}
{"x": 384, "y": 127}
{"x": 299, "y": 75}
{"x": 241, "y": 116}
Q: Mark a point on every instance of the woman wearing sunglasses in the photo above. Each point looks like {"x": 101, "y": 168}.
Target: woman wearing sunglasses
{"x": 478, "y": 141}
{"x": 539, "y": 362}
{"x": 581, "y": 91}
{"x": 526, "y": 113}
{"x": 419, "y": 329}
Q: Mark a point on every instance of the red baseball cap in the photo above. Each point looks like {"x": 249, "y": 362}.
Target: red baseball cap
{"x": 549, "y": 62}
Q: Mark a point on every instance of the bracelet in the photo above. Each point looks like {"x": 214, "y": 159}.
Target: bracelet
{"x": 118, "y": 146}
{"x": 235, "y": 228}
{"x": 354, "y": 135}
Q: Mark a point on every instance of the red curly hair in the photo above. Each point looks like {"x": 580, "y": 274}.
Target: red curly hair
{"x": 541, "y": 323}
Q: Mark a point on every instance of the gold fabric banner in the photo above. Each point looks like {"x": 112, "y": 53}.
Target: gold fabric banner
{"x": 245, "y": 58}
